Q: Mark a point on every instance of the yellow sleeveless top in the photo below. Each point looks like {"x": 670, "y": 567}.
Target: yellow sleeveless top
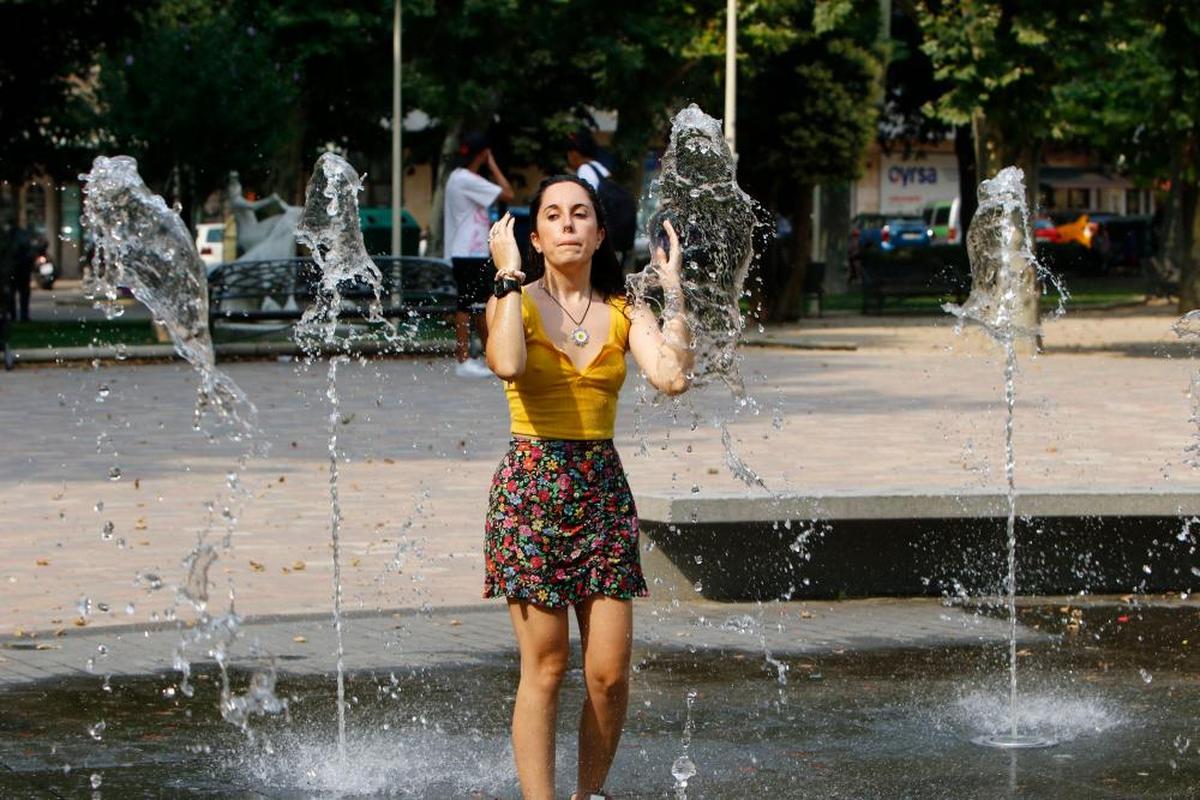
{"x": 555, "y": 400}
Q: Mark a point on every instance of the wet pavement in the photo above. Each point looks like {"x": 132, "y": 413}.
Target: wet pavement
{"x": 1115, "y": 684}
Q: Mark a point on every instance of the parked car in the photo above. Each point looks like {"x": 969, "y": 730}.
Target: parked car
{"x": 942, "y": 219}
{"x": 1078, "y": 228}
{"x": 904, "y": 232}
{"x": 1044, "y": 230}
{"x": 865, "y": 229}
{"x": 210, "y": 242}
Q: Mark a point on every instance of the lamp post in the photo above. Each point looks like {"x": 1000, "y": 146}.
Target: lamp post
{"x": 397, "y": 126}
{"x": 731, "y": 77}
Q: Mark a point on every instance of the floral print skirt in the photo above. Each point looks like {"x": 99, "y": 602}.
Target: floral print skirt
{"x": 561, "y": 524}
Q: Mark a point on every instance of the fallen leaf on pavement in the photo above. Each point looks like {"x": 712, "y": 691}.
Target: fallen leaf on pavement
{"x": 43, "y": 562}
{"x": 257, "y": 567}
{"x": 298, "y": 566}
{"x": 299, "y": 639}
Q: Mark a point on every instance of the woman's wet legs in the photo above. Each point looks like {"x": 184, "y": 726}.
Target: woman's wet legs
{"x": 606, "y": 628}
{"x": 543, "y": 641}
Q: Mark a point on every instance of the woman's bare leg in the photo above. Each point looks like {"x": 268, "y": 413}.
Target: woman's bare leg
{"x": 542, "y": 638}
{"x": 606, "y": 627}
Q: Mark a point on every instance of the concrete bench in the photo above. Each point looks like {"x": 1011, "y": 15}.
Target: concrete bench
{"x": 738, "y": 547}
{"x": 913, "y": 271}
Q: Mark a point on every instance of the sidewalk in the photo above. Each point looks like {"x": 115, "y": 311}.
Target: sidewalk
{"x": 913, "y": 408}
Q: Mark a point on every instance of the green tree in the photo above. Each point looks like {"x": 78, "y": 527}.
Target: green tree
{"x": 1145, "y": 115}
{"x": 195, "y": 93}
{"x": 810, "y": 90}
{"x": 45, "y": 82}
{"x": 1000, "y": 61}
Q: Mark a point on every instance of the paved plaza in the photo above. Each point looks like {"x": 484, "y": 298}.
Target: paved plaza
{"x": 849, "y": 403}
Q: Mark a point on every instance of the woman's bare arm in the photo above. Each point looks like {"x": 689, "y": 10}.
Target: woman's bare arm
{"x": 664, "y": 352}
{"x": 506, "y": 330}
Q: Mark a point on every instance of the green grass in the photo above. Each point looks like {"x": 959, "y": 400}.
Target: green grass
{"x": 1082, "y": 298}
{"x": 57, "y": 334}
{"x": 53, "y": 334}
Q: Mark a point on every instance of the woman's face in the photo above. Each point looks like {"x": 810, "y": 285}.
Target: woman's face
{"x": 566, "y": 229}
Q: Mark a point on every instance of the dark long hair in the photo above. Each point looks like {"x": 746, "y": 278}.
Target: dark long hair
{"x": 607, "y": 277}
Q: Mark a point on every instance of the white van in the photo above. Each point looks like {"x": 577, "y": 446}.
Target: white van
{"x": 942, "y": 219}
{"x": 210, "y": 242}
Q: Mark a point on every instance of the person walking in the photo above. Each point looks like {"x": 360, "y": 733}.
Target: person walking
{"x": 22, "y": 252}
{"x": 465, "y": 226}
{"x": 561, "y": 530}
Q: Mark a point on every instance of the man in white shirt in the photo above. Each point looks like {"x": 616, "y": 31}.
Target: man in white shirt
{"x": 465, "y": 226}
{"x": 582, "y": 152}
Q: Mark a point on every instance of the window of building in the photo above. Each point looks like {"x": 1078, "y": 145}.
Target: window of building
{"x": 1079, "y": 199}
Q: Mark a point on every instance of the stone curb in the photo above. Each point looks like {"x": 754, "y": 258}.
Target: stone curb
{"x": 229, "y": 349}
{"x": 689, "y": 509}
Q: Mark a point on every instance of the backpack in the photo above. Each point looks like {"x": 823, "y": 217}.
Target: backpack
{"x": 620, "y": 211}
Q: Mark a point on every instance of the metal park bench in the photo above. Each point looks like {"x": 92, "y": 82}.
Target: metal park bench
{"x": 913, "y": 272}
{"x": 249, "y": 295}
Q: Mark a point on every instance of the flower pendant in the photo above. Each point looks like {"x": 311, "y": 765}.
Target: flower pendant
{"x": 580, "y": 337}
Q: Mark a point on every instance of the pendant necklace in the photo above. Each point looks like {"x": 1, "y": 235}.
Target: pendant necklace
{"x": 579, "y": 336}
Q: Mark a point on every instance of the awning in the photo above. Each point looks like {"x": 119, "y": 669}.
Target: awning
{"x": 1080, "y": 178}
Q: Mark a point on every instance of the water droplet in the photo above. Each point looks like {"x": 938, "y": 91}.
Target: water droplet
{"x": 102, "y": 393}
{"x": 96, "y": 780}
{"x": 1146, "y": 676}
{"x": 84, "y": 606}
{"x": 99, "y": 506}
{"x": 106, "y": 533}
{"x": 114, "y": 473}
{"x": 129, "y": 608}
{"x": 695, "y": 488}
{"x": 1146, "y": 569}
{"x": 683, "y": 770}
{"x": 97, "y": 732}
{"x": 169, "y": 692}
{"x": 698, "y": 587}
{"x": 122, "y": 351}
{"x": 699, "y": 559}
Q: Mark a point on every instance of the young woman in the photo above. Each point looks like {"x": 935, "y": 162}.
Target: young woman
{"x": 562, "y": 530}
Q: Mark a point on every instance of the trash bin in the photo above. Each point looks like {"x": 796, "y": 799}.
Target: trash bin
{"x": 376, "y": 224}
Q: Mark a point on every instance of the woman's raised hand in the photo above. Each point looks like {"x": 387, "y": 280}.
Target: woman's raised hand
{"x": 506, "y": 255}
{"x": 669, "y": 265}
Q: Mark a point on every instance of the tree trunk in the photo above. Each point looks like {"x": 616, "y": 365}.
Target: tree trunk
{"x": 443, "y": 168}
{"x": 835, "y": 217}
{"x": 787, "y": 292}
{"x": 968, "y": 178}
{"x": 1182, "y": 244}
{"x": 981, "y": 135}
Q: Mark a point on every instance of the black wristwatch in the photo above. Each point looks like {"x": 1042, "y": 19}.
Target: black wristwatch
{"x": 504, "y": 286}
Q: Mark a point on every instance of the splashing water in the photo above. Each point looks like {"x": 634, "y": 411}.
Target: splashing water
{"x": 717, "y": 223}
{"x": 1005, "y": 278}
{"x": 1187, "y": 327}
{"x": 329, "y": 227}
{"x": 716, "y": 220}
{"x": 143, "y": 245}
{"x": 1005, "y": 275}
{"x": 684, "y": 769}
